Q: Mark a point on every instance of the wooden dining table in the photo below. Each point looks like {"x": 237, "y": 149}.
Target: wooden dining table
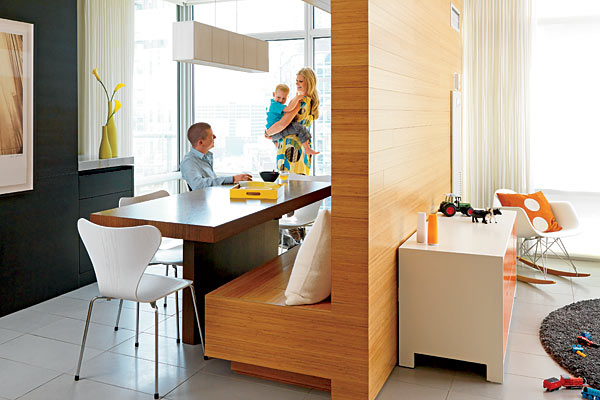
{"x": 223, "y": 238}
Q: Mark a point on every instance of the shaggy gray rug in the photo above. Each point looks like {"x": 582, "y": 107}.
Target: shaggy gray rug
{"x": 559, "y": 331}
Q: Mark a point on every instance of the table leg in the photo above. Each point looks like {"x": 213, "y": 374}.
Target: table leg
{"x": 211, "y": 265}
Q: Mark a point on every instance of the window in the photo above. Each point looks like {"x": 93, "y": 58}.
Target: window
{"x": 322, "y": 126}
{"x": 235, "y": 103}
{"x": 322, "y": 19}
{"x": 155, "y": 143}
{"x": 565, "y": 117}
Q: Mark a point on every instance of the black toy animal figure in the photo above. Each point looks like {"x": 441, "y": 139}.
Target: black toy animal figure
{"x": 487, "y": 215}
{"x": 480, "y": 214}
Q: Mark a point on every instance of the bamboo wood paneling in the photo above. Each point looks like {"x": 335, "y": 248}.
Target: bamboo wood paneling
{"x": 413, "y": 54}
{"x": 392, "y": 73}
{"x": 308, "y": 381}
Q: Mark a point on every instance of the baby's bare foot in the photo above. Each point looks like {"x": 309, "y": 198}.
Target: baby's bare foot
{"x": 312, "y": 152}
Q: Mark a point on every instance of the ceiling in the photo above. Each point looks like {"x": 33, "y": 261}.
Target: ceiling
{"x": 324, "y": 5}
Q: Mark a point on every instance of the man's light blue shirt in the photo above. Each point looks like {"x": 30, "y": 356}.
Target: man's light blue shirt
{"x": 197, "y": 170}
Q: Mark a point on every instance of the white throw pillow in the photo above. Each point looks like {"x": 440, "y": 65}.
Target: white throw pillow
{"x": 310, "y": 281}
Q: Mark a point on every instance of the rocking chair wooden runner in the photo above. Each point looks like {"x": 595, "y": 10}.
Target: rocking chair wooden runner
{"x": 535, "y": 245}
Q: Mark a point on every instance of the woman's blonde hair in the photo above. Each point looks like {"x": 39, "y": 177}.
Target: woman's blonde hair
{"x": 311, "y": 90}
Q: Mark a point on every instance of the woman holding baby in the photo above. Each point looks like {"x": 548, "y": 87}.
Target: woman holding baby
{"x": 291, "y": 156}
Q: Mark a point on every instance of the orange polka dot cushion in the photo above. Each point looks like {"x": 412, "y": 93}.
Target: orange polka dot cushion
{"x": 536, "y": 207}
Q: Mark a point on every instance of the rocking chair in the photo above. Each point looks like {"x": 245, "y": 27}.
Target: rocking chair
{"x": 535, "y": 245}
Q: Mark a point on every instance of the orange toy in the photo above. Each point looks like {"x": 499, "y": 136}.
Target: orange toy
{"x": 432, "y": 229}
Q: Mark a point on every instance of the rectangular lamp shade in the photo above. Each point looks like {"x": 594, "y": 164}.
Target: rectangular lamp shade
{"x": 203, "y": 44}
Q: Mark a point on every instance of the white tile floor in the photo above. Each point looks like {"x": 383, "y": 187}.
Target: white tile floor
{"x": 39, "y": 347}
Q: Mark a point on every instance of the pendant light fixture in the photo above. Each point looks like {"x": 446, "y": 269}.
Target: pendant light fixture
{"x": 197, "y": 43}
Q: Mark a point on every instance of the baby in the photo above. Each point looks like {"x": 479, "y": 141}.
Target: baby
{"x": 276, "y": 111}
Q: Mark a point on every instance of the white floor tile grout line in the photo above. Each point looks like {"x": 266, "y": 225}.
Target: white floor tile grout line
{"x": 184, "y": 381}
{"x": 130, "y": 356}
{"x": 39, "y": 386}
{"x": 122, "y": 387}
{"x": 150, "y": 359}
{"x": 101, "y": 352}
{"x": 237, "y": 379}
{"x": 117, "y": 386}
{"x": 87, "y": 346}
{"x": 33, "y": 366}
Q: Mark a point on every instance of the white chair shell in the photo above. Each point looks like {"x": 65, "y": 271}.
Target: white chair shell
{"x": 119, "y": 256}
{"x": 307, "y": 214}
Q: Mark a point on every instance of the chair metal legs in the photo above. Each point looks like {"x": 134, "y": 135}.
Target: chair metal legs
{"x": 137, "y": 324}
{"x": 119, "y": 315}
{"x": 198, "y": 320}
{"x": 137, "y": 317}
{"x": 536, "y": 250}
{"x": 155, "y": 349}
{"x": 176, "y": 308}
{"x": 137, "y": 321}
{"x": 85, "y": 332}
{"x": 568, "y": 259}
{"x": 167, "y": 274}
{"x": 164, "y": 305}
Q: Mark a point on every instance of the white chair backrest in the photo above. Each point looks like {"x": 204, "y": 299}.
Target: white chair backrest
{"x": 524, "y": 227}
{"x": 307, "y": 214}
{"x": 119, "y": 256}
{"x": 497, "y": 203}
{"x": 310, "y": 212}
{"x": 125, "y": 201}
{"x": 298, "y": 177}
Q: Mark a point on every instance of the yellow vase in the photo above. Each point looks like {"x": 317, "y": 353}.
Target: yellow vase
{"x": 112, "y": 131}
{"x": 105, "y": 151}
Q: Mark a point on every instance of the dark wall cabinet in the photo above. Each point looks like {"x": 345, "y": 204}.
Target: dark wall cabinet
{"x": 100, "y": 189}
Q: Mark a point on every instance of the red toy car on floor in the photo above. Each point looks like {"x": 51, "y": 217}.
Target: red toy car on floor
{"x": 586, "y": 342}
{"x": 552, "y": 384}
{"x": 571, "y": 383}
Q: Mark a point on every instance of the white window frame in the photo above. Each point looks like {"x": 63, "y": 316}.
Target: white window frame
{"x": 182, "y": 14}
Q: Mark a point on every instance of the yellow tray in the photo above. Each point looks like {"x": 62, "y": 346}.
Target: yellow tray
{"x": 256, "y": 190}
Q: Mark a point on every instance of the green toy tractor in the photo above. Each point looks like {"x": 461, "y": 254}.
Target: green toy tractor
{"x": 452, "y": 204}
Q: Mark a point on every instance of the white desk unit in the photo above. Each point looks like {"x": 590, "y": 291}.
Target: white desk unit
{"x": 455, "y": 299}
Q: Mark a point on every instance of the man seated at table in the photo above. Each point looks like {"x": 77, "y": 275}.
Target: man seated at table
{"x": 197, "y": 165}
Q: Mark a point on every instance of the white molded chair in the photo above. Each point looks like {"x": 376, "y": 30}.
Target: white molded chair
{"x": 306, "y": 215}
{"x": 120, "y": 256}
{"x": 537, "y": 244}
{"x": 171, "y": 256}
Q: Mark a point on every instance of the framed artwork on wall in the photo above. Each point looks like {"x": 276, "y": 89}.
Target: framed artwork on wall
{"x": 16, "y": 106}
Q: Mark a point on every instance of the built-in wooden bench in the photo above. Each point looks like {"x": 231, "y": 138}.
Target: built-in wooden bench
{"x": 248, "y": 323}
